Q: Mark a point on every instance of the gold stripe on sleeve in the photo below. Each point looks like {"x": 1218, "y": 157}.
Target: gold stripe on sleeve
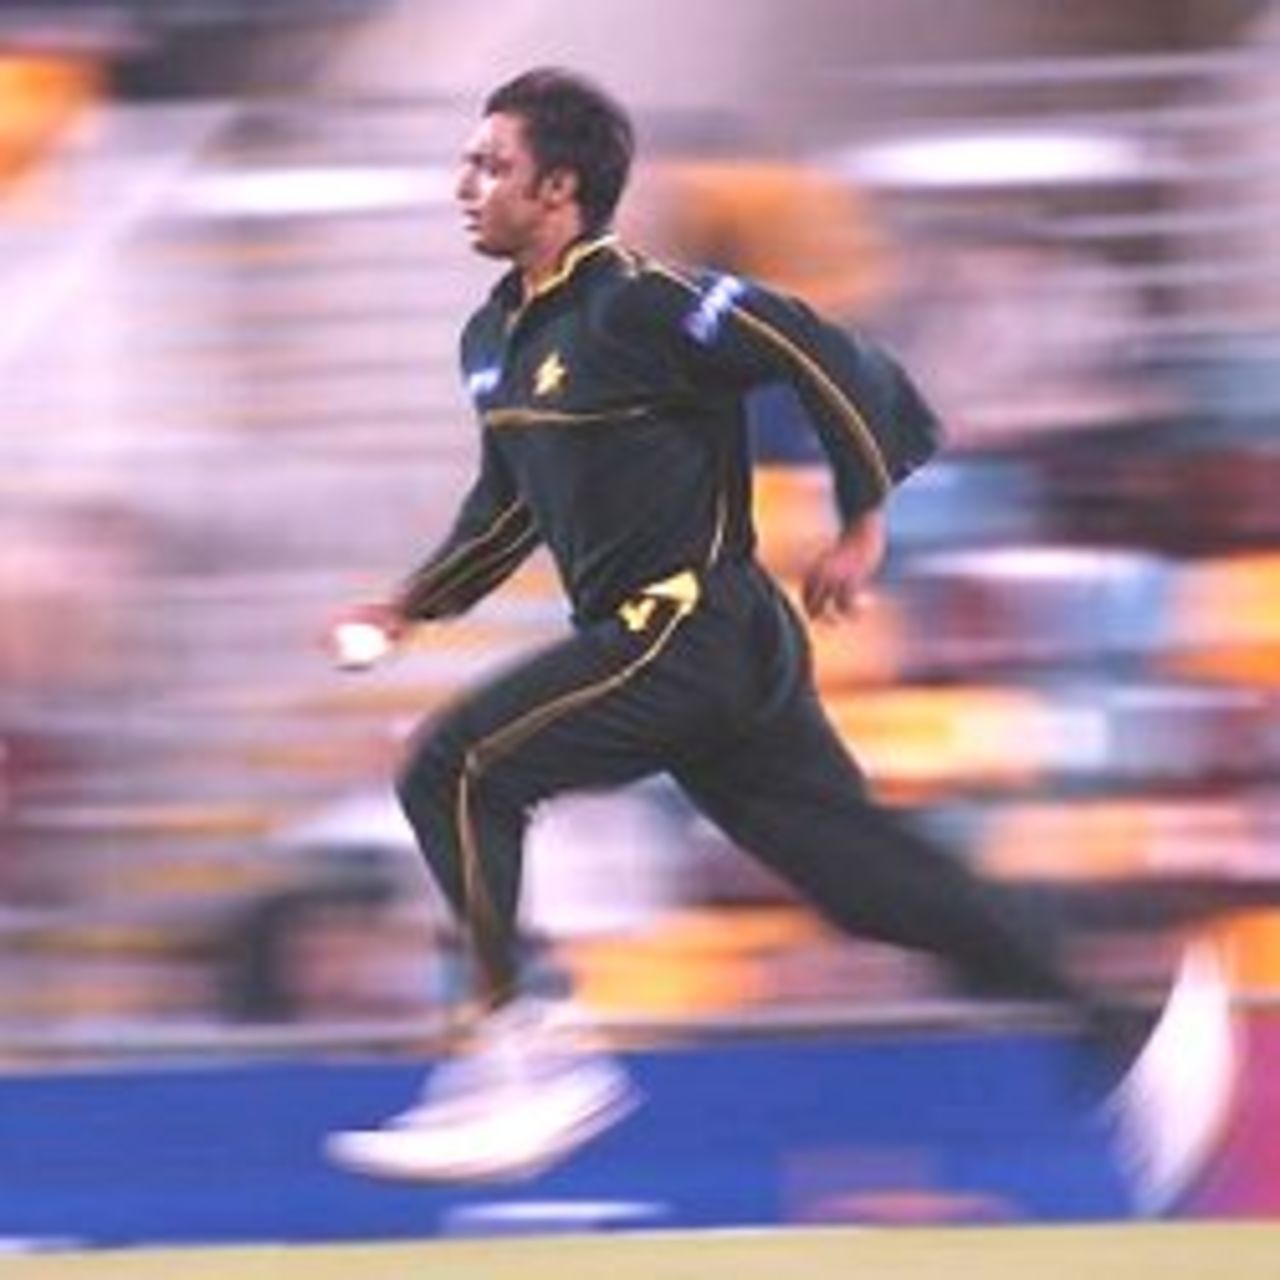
{"x": 434, "y": 582}
{"x": 846, "y": 410}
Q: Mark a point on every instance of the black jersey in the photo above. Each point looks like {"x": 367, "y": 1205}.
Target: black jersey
{"x": 612, "y": 408}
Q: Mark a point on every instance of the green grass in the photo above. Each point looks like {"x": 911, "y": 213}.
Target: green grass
{"x": 1182, "y": 1251}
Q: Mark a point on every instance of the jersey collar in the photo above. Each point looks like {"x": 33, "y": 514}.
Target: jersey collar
{"x": 510, "y": 288}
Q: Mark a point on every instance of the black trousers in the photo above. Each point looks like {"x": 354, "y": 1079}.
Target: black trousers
{"x": 720, "y": 695}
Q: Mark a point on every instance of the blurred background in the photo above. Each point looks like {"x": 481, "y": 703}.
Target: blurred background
{"x": 232, "y": 282}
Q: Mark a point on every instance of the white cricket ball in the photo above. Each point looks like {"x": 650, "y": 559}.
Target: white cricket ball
{"x": 360, "y": 644}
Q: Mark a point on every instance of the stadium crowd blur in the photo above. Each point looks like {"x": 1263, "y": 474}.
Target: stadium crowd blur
{"x": 231, "y": 404}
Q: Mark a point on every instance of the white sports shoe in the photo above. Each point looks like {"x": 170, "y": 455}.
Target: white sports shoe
{"x": 525, "y": 1095}
{"x": 1172, "y": 1107}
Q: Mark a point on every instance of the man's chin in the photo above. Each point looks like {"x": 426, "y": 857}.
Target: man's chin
{"x": 485, "y": 248}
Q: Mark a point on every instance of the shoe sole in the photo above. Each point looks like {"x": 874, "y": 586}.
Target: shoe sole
{"x": 368, "y": 1154}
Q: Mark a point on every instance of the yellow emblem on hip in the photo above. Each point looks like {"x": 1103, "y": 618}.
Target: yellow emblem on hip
{"x": 635, "y": 614}
{"x": 550, "y": 376}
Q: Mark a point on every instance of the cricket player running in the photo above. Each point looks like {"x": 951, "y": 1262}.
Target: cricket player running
{"x": 610, "y": 389}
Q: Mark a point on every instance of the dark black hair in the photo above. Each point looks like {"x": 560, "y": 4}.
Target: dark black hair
{"x": 572, "y": 124}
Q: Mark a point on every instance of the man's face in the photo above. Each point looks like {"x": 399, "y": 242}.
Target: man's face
{"x": 501, "y": 197}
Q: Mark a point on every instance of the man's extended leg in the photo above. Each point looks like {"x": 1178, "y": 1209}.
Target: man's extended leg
{"x": 598, "y": 710}
{"x": 593, "y": 711}
{"x": 789, "y": 794}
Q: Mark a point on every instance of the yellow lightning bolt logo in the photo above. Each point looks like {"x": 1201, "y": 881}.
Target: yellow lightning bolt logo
{"x": 550, "y": 376}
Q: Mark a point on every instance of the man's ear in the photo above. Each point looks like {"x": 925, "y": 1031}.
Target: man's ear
{"x": 559, "y": 187}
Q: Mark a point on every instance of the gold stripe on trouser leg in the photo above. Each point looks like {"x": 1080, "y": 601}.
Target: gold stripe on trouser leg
{"x": 496, "y": 971}
{"x": 480, "y": 915}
